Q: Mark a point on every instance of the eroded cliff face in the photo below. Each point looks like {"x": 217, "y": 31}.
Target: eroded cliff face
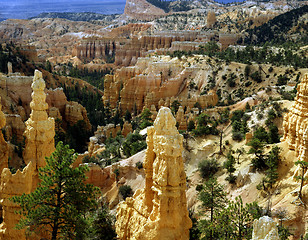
{"x": 14, "y": 185}
{"x": 159, "y": 211}
{"x": 296, "y": 120}
{"x": 123, "y": 46}
{"x": 4, "y": 149}
{"x": 39, "y": 133}
{"x": 157, "y": 81}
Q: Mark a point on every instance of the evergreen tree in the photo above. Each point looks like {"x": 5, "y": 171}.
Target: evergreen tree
{"x": 241, "y": 219}
{"x": 272, "y": 164}
{"x": 257, "y": 148}
{"x": 62, "y": 199}
{"x": 191, "y": 126}
{"x": 102, "y": 224}
{"x": 273, "y": 134}
{"x": 229, "y": 165}
{"x": 128, "y": 116}
{"x": 303, "y": 165}
{"x": 146, "y": 118}
{"x": 212, "y": 197}
{"x": 175, "y": 107}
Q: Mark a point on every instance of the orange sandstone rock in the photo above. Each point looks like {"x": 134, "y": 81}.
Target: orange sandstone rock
{"x": 39, "y": 144}
{"x": 14, "y": 185}
{"x": 40, "y": 130}
{"x": 296, "y": 120}
{"x": 159, "y": 211}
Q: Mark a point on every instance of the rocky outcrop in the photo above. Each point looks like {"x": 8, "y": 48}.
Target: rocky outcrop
{"x": 180, "y": 119}
{"x": 296, "y": 120}
{"x": 211, "y": 19}
{"x": 14, "y": 127}
{"x": 153, "y": 81}
{"x": 159, "y": 211}
{"x": 75, "y": 112}
{"x": 265, "y": 228}
{"x": 4, "y": 151}
{"x": 18, "y": 88}
{"x": 227, "y": 39}
{"x": 91, "y": 49}
{"x": 39, "y": 135}
{"x": 29, "y": 52}
{"x": 14, "y": 185}
{"x": 56, "y": 98}
{"x": 40, "y": 130}
{"x": 142, "y": 10}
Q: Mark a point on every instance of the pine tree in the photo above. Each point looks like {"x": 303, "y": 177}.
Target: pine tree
{"x": 272, "y": 164}
{"x": 304, "y": 166}
{"x": 229, "y": 165}
{"x": 212, "y": 196}
{"x": 62, "y": 199}
{"x": 257, "y": 148}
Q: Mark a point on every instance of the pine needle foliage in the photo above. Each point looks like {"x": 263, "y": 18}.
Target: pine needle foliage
{"x": 60, "y": 202}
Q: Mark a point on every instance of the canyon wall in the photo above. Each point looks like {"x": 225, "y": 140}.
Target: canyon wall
{"x": 123, "y": 47}
{"x": 159, "y": 211}
{"x": 154, "y": 82}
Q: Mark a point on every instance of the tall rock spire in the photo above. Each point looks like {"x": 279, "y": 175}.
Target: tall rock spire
{"x": 40, "y": 130}
{"x": 159, "y": 211}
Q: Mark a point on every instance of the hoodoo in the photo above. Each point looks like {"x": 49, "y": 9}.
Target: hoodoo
{"x": 159, "y": 211}
{"x": 40, "y": 131}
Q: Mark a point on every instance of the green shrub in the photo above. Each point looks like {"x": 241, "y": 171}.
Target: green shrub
{"x": 237, "y": 136}
{"x": 256, "y": 76}
{"x": 208, "y": 168}
{"x": 133, "y": 144}
{"x": 191, "y": 125}
{"x": 126, "y": 191}
{"x": 139, "y": 165}
{"x": 282, "y": 80}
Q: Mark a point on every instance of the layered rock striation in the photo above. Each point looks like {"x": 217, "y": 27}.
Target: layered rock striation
{"x": 153, "y": 81}
{"x": 159, "y": 211}
{"x": 39, "y": 133}
{"x": 295, "y": 122}
{"x": 40, "y": 129}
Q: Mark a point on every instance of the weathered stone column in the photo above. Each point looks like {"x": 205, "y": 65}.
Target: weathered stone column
{"x": 159, "y": 211}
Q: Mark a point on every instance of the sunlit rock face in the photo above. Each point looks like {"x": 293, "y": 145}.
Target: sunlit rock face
{"x": 159, "y": 211}
{"x": 39, "y": 133}
{"x": 296, "y": 120}
{"x": 40, "y": 129}
{"x": 265, "y": 228}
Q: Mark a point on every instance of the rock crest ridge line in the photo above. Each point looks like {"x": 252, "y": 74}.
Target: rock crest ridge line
{"x": 159, "y": 211}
